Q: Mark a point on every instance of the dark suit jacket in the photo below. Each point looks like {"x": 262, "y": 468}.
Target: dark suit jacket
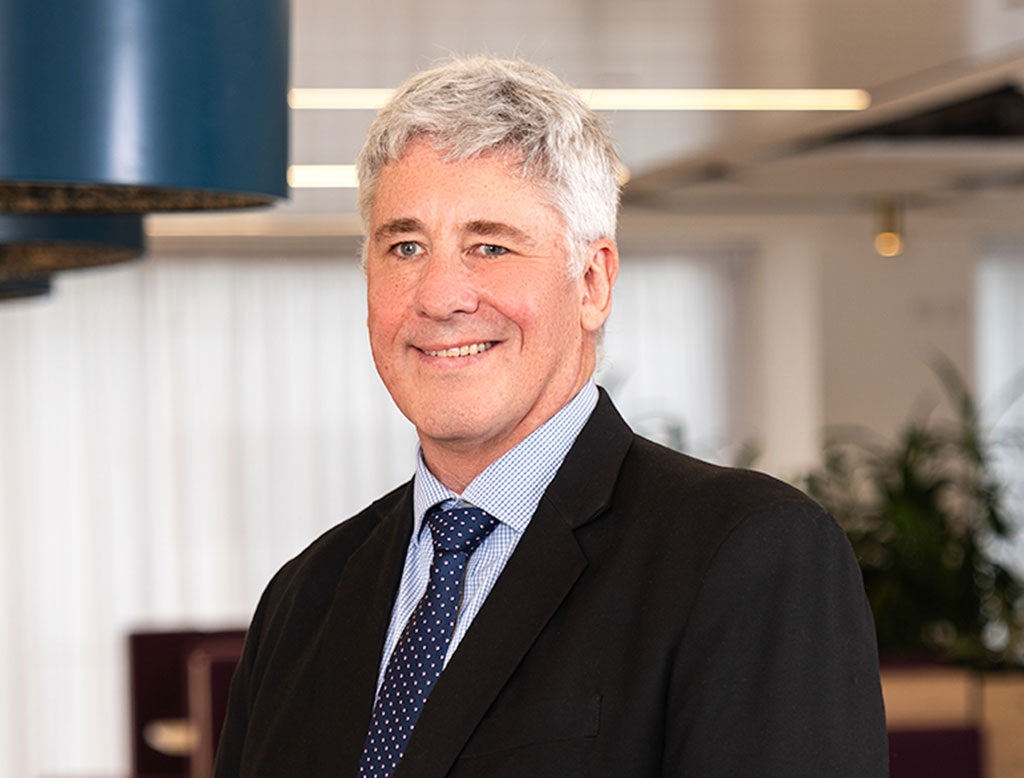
{"x": 660, "y": 616}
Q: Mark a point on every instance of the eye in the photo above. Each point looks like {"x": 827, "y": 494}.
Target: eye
{"x": 491, "y": 250}
{"x": 407, "y": 248}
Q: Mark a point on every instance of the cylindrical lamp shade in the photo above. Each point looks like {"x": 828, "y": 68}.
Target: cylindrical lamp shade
{"x": 19, "y": 288}
{"x": 142, "y": 105}
{"x": 33, "y": 246}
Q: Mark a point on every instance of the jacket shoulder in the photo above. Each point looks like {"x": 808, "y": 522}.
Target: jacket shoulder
{"x": 697, "y": 510}
{"x": 664, "y": 475}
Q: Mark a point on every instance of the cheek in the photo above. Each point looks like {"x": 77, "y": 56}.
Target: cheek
{"x": 383, "y": 338}
{"x": 552, "y": 313}
{"x": 384, "y": 311}
{"x": 534, "y": 301}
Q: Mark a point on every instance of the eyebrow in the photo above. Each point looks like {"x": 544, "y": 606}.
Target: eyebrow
{"x": 482, "y": 227}
{"x": 489, "y": 229}
{"x": 397, "y": 227}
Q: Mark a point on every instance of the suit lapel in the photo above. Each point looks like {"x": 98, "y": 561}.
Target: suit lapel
{"x": 354, "y": 636}
{"x": 536, "y": 580}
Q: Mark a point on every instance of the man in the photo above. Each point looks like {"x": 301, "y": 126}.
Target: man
{"x": 615, "y": 608}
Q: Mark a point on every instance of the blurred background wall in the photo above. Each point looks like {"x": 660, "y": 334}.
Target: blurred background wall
{"x": 173, "y": 430}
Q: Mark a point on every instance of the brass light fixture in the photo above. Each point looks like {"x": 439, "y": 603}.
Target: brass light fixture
{"x": 889, "y": 239}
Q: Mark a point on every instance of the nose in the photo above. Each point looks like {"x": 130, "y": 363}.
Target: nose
{"x": 446, "y": 286}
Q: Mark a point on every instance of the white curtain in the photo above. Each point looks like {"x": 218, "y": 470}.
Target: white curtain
{"x": 670, "y": 349}
{"x": 999, "y": 367}
{"x": 173, "y": 431}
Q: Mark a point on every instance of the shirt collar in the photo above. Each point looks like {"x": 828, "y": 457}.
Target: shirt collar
{"x": 510, "y": 488}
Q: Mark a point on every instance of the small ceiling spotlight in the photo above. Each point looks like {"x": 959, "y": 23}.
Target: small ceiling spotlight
{"x": 889, "y": 240}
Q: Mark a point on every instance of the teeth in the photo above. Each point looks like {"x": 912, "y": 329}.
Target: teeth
{"x": 460, "y": 351}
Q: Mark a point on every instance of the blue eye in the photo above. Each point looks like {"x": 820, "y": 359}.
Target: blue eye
{"x": 490, "y": 250}
{"x": 407, "y": 248}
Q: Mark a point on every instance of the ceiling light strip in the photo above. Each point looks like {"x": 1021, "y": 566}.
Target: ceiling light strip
{"x": 322, "y": 177}
{"x": 726, "y": 99}
{"x": 256, "y": 225}
{"x": 629, "y": 99}
{"x": 338, "y": 99}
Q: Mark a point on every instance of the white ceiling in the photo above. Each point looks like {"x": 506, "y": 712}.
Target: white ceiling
{"x": 893, "y": 48}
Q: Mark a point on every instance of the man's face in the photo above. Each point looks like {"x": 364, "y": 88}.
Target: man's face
{"x": 476, "y": 327}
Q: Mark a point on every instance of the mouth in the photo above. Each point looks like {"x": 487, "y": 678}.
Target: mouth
{"x": 460, "y": 351}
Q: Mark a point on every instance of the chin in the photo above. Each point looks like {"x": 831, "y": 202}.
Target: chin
{"x": 459, "y": 430}
{"x": 453, "y": 433}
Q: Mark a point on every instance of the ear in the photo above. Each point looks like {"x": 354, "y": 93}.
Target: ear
{"x": 599, "y": 273}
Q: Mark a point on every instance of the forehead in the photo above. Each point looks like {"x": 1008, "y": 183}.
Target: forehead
{"x": 423, "y": 184}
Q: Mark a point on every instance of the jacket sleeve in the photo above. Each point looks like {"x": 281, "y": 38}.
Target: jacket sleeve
{"x": 231, "y": 744}
{"x": 777, "y": 672}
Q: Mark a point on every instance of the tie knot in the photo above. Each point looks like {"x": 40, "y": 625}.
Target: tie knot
{"x": 459, "y": 529}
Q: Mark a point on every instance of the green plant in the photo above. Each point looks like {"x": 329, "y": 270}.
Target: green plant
{"x": 920, "y": 512}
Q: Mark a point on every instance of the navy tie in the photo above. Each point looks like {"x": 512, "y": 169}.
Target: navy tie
{"x": 418, "y": 657}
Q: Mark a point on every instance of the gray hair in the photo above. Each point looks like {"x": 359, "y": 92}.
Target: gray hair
{"x": 470, "y": 107}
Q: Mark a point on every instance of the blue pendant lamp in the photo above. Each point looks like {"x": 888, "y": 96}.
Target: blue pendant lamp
{"x": 35, "y": 246}
{"x": 132, "y": 106}
{"x": 20, "y": 288}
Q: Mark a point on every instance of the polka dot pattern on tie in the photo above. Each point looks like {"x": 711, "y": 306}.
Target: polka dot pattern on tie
{"x": 418, "y": 657}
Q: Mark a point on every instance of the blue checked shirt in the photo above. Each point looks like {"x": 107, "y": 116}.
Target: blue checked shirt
{"x": 509, "y": 489}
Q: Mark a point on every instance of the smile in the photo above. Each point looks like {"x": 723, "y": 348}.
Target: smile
{"x": 460, "y": 351}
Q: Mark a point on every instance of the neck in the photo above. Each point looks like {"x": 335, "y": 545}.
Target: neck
{"x": 455, "y": 462}
{"x": 455, "y": 475}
